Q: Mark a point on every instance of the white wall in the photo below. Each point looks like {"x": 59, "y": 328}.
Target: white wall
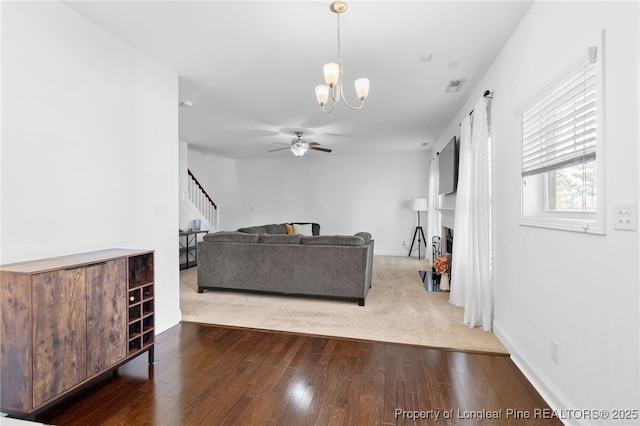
{"x": 578, "y": 290}
{"x": 344, "y": 193}
{"x": 89, "y": 145}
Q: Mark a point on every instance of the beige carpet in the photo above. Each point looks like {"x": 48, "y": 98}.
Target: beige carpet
{"x": 398, "y": 310}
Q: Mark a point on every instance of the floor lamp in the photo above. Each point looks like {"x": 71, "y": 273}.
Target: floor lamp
{"x": 418, "y": 205}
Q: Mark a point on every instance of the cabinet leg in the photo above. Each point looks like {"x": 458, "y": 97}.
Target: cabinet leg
{"x": 151, "y": 358}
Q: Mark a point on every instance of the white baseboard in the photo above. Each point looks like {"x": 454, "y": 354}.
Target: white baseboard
{"x": 8, "y": 421}
{"x": 402, "y": 253}
{"x": 549, "y": 393}
{"x": 167, "y": 321}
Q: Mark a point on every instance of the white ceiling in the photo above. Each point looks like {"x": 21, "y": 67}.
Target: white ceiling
{"x": 250, "y": 68}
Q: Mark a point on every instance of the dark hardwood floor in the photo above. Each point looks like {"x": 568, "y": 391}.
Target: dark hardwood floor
{"x": 210, "y": 375}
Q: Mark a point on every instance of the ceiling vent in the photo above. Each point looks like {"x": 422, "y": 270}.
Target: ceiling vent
{"x": 454, "y": 85}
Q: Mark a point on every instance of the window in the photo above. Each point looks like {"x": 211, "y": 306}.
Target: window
{"x": 572, "y": 188}
{"x": 561, "y": 139}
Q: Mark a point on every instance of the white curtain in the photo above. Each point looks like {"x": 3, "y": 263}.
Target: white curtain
{"x": 433, "y": 222}
{"x": 472, "y": 285}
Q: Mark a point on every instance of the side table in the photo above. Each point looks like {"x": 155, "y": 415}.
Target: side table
{"x": 188, "y": 243}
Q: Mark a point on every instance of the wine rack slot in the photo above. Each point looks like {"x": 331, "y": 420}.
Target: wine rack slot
{"x": 147, "y": 292}
{"x": 147, "y": 339}
{"x": 134, "y": 296}
{"x": 147, "y": 307}
{"x": 134, "y": 313}
{"x": 147, "y": 324}
{"x": 134, "y": 329}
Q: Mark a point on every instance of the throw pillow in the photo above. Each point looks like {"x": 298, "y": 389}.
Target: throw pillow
{"x": 289, "y": 229}
{"x": 303, "y": 229}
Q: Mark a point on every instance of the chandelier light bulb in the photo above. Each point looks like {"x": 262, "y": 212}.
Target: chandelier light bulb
{"x": 362, "y": 88}
{"x": 331, "y": 73}
{"x": 322, "y": 94}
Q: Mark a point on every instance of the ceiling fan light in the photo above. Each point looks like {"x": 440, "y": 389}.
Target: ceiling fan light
{"x": 298, "y": 150}
{"x": 331, "y": 73}
{"x": 362, "y": 88}
{"x": 322, "y": 94}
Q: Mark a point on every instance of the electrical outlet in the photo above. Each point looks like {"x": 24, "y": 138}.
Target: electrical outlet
{"x": 626, "y": 216}
{"x": 555, "y": 352}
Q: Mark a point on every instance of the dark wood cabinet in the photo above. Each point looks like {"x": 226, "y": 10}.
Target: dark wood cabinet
{"x": 69, "y": 319}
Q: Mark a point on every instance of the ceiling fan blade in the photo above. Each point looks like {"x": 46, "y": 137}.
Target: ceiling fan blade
{"x": 313, "y": 143}
{"x": 279, "y": 149}
{"x": 315, "y": 148}
{"x": 281, "y": 143}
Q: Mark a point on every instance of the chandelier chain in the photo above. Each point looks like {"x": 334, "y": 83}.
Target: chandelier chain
{"x": 338, "y": 31}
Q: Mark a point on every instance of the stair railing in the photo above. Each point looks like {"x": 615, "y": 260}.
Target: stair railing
{"x": 201, "y": 200}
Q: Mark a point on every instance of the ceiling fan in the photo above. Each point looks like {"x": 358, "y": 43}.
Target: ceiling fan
{"x": 299, "y": 146}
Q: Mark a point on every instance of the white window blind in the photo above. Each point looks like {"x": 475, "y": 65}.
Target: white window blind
{"x": 559, "y": 126}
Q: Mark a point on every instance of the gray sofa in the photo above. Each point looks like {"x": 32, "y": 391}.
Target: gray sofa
{"x": 328, "y": 266}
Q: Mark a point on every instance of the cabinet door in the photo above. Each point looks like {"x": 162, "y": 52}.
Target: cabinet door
{"x": 107, "y": 315}
{"x": 59, "y": 332}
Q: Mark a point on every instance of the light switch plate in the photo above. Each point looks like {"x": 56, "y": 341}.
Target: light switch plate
{"x": 626, "y": 216}
{"x": 162, "y": 210}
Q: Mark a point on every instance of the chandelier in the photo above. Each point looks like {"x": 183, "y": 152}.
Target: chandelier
{"x": 333, "y": 75}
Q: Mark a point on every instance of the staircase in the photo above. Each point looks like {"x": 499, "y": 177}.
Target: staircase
{"x": 202, "y": 204}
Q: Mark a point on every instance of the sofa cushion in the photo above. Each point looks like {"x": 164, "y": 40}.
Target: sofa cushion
{"x": 289, "y": 228}
{"x": 275, "y": 228}
{"x": 279, "y": 239}
{"x": 304, "y": 229}
{"x": 253, "y": 230}
{"x": 365, "y": 236}
{"x": 333, "y": 240}
{"x": 231, "y": 237}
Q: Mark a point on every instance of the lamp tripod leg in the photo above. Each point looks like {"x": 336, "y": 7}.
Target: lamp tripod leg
{"x": 417, "y": 233}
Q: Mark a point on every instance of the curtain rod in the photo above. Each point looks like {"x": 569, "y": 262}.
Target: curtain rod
{"x": 488, "y": 94}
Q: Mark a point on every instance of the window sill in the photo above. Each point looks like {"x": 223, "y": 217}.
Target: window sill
{"x": 564, "y": 224}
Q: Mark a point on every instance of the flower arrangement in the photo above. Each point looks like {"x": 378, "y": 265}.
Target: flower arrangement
{"x": 442, "y": 264}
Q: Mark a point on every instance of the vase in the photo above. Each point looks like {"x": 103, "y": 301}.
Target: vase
{"x": 444, "y": 282}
